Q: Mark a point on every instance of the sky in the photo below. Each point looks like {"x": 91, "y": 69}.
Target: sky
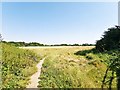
{"x": 59, "y": 0}
{"x": 57, "y": 22}
{"x": 118, "y": 13}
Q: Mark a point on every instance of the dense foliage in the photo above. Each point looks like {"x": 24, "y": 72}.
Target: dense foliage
{"x": 110, "y": 40}
{"x": 20, "y": 44}
{"x": 17, "y": 66}
{"x": 113, "y": 67}
{"x": 110, "y": 43}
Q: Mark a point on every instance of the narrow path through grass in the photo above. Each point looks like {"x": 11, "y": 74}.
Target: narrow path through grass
{"x": 34, "y": 78}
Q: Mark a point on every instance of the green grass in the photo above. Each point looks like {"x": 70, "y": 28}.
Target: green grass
{"x": 17, "y": 66}
{"x": 62, "y": 68}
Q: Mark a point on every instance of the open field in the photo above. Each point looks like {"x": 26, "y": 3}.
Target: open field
{"x": 62, "y": 68}
{"x": 60, "y": 45}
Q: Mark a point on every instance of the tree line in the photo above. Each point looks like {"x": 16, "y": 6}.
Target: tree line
{"x": 20, "y": 44}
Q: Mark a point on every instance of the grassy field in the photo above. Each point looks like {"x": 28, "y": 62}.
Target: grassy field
{"x": 65, "y": 68}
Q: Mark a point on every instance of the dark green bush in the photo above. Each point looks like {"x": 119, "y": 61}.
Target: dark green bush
{"x": 110, "y": 40}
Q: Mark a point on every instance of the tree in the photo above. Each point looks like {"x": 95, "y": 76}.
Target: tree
{"x": 34, "y": 44}
{"x": 110, "y": 40}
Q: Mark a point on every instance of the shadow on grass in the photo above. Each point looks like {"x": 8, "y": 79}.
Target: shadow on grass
{"x": 95, "y": 51}
{"x": 112, "y": 65}
{"x": 85, "y": 52}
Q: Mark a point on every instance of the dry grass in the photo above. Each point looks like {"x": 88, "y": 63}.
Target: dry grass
{"x": 63, "y": 69}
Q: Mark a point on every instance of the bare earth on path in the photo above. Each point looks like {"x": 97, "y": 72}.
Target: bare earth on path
{"x": 34, "y": 78}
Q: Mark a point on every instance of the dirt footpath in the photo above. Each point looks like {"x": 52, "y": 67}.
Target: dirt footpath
{"x": 34, "y": 78}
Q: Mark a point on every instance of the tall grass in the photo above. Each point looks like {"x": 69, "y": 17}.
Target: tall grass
{"x": 63, "y": 69}
{"x": 17, "y": 66}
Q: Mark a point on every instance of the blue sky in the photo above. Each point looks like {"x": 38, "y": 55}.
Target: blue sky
{"x": 60, "y": 22}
